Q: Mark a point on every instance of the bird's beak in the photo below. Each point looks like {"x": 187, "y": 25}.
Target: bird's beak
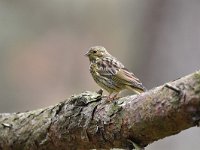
{"x": 87, "y": 54}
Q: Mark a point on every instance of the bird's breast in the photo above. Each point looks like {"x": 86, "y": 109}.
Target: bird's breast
{"x": 93, "y": 69}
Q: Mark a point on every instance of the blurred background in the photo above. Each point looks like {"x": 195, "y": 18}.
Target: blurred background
{"x": 42, "y": 47}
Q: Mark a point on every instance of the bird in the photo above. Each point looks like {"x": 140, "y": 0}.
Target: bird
{"x": 110, "y": 74}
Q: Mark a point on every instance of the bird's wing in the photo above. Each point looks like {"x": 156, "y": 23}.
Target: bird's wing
{"x": 111, "y": 68}
{"x": 127, "y": 77}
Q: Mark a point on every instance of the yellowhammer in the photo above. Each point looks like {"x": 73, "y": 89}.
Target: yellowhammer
{"x": 110, "y": 74}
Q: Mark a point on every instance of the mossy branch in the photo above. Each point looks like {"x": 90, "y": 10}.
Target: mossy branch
{"x": 86, "y": 121}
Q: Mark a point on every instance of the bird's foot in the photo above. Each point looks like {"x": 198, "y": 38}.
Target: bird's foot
{"x": 111, "y": 99}
{"x": 114, "y": 97}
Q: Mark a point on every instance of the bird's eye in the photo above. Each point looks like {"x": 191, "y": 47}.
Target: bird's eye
{"x": 95, "y": 51}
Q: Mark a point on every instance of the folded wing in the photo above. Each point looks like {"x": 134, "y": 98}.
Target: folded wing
{"x": 115, "y": 70}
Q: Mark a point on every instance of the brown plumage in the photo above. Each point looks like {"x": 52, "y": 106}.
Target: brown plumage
{"x": 110, "y": 74}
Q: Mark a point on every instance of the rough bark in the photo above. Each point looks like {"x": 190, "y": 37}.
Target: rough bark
{"x": 87, "y": 121}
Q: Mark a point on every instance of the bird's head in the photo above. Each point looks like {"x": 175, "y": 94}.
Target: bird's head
{"x": 96, "y": 52}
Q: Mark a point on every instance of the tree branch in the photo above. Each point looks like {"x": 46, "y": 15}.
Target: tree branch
{"x": 86, "y": 121}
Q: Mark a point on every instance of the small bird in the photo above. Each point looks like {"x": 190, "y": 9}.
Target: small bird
{"x": 110, "y": 74}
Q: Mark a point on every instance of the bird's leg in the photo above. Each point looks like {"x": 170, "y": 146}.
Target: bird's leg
{"x": 109, "y": 97}
{"x": 116, "y": 96}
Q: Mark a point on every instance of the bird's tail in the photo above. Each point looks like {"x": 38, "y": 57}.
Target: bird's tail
{"x": 137, "y": 89}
